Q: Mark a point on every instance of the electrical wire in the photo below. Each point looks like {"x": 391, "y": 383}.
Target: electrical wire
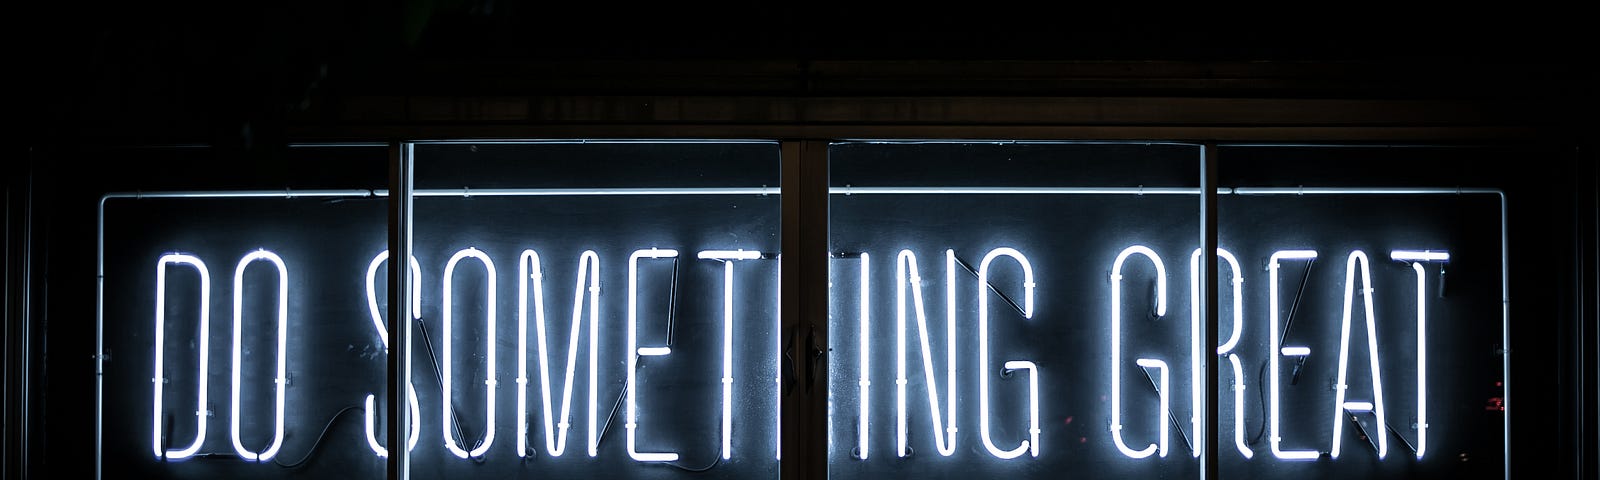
{"x": 1261, "y": 395}
{"x": 672, "y": 309}
{"x": 318, "y": 442}
{"x": 614, "y": 407}
{"x": 438, "y": 378}
{"x": 600, "y": 437}
{"x": 1261, "y": 374}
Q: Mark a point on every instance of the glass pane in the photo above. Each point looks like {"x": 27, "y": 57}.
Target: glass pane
{"x": 234, "y": 317}
{"x": 597, "y": 309}
{"x": 1365, "y": 340}
{"x": 1011, "y": 309}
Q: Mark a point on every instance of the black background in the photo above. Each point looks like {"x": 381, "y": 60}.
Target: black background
{"x": 235, "y": 77}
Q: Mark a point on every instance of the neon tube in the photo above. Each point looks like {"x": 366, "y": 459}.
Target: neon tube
{"x": 1014, "y": 191}
{"x": 1419, "y": 255}
{"x": 1032, "y": 444}
{"x": 1376, "y": 406}
{"x": 1116, "y": 346}
{"x": 866, "y": 360}
{"x": 582, "y": 192}
{"x": 1273, "y": 337}
{"x": 528, "y": 268}
{"x": 727, "y": 257}
{"x": 949, "y": 348}
{"x": 1238, "y": 408}
{"x": 907, "y": 264}
{"x": 1196, "y": 337}
{"x": 594, "y": 349}
{"x": 634, "y": 352}
{"x": 555, "y": 427}
{"x": 281, "y": 381}
{"x": 383, "y": 335}
{"x": 445, "y": 399}
{"x": 1416, "y": 258}
{"x": 1033, "y": 400}
{"x": 1161, "y": 367}
{"x": 1422, "y": 361}
{"x": 160, "y": 344}
{"x": 372, "y": 434}
{"x": 777, "y": 367}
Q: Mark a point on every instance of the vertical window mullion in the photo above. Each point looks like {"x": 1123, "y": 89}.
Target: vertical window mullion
{"x": 1206, "y": 438}
{"x": 398, "y": 367}
{"x": 804, "y": 304}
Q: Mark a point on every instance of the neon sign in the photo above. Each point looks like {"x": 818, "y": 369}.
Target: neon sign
{"x": 587, "y": 285}
{"x": 908, "y": 278}
{"x": 1068, "y": 348}
{"x": 1088, "y": 318}
{"x": 523, "y": 376}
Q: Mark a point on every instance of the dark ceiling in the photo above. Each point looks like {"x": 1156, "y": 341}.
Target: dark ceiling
{"x": 154, "y": 63}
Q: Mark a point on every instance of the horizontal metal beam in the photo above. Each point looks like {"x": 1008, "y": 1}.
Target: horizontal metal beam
{"x": 929, "y": 110}
{"x": 1234, "y": 133}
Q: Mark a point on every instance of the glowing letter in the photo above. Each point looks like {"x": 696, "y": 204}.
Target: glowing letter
{"x": 777, "y": 367}
{"x": 383, "y": 335}
{"x": 555, "y": 436}
{"x": 1226, "y": 348}
{"x": 908, "y": 261}
{"x": 634, "y": 352}
{"x": 1416, "y": 258}
{"x": 1031, "y": 446}
{"x": 161, "y": 347}
{"x": 727, "y": 257}
{"x": 449, "y": 423}
{"x": 1272, "y": 268}
{"x": 1161, "y": 368}
{"x": 282, "y": 380}
{"x": 1238, "y": 408}
{"x": 866, "y": 362}
{"x": 1339, "y": 404}
{"x": 1116, "y": 349}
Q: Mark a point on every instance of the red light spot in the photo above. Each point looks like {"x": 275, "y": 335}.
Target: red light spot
{"x": 1068, "y": 421}
{"x": 1499, "y": 384}
{"x": 1083, "y": 439}
{"x": 1495, "y": 404}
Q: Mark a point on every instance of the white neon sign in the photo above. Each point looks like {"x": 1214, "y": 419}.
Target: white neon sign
{"x": 906, "y": 273}
{"x": 415, "y": 432}
{"x": 1416, "y": 258}
{"x": 1116, "y": 351}
{"x": 1196, "y": 349}
{"x": 555, "y": 436}
{"x": 1274, "y": 413}
{"x": 557, "y": 424}
{"x": 448, "y": 423}
{"x": 727, "y": 257}
{"x": 777, "y": 366}
{"x": 281, "y": 381}
{"x": 1032, "y": 444}
{"x": 160, "y": 379}
{"x": 866, "y": 360}
{"x": 1238, "y": 408}
{"x": 1340, "y": 405}
{"x": 634, "y": 352}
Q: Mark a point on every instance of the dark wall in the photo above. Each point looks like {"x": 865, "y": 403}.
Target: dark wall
{"x": 210, "y": 74}
{"x": 248, "y": 80}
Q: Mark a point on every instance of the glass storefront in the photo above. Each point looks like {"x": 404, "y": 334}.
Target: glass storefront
{"x": 995, "y": 308}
